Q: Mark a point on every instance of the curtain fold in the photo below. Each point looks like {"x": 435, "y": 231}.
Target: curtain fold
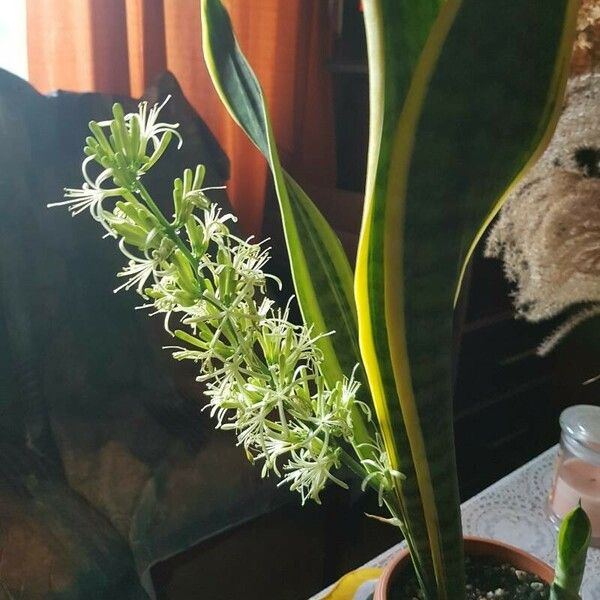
{"x": 146, "y": 47}
{"x": 119, "y": 46}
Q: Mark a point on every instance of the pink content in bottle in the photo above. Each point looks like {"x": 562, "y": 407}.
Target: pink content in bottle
{"x": 577, "y": 474}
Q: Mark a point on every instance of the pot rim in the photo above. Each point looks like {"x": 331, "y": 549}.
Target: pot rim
{"x": 478, "y": 546}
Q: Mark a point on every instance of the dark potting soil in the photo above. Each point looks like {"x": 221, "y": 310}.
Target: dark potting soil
{"x": 487, "y": 579}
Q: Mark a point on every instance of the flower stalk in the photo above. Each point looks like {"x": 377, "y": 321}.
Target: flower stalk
{"x": 263, "y": 374}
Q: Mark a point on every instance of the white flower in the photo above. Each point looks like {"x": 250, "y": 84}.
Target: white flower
{"x": 214, "y": 222}
{"x": 84, "y": 198}
{"x": 88, "y": 197}
{"x": 151, "y": 130}
{"x": 308, "y": 474}
{"x": 164, "y": 302}
{"x": 96, "y": 183}
{"x": 379, "y": 469}
{"x": 249, "y": 262}
{"x": 140, "y": 268}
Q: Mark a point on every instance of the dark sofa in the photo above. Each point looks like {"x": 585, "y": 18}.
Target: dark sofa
{"x": 107, "y": 464}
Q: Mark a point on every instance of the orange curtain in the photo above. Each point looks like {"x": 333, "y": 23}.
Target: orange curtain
{"x": 119, "y": 46}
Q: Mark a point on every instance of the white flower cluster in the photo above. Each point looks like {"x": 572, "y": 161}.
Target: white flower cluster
{"x": 263, "y": 373}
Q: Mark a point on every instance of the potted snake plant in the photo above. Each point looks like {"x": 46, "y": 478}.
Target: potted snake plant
{"x": 463, "y": 97}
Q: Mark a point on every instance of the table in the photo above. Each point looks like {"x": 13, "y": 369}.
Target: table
{"x": 513, "y": 511}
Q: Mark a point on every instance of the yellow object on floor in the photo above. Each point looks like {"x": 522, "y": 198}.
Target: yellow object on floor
{"x": 347, "y": 586}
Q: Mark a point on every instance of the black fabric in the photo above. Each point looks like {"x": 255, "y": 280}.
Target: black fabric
{"x": 106, "y": 462}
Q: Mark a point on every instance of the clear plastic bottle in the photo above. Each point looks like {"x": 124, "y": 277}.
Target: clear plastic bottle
{"x": 577, "y": 472}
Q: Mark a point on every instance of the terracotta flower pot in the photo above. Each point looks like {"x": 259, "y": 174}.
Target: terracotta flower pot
{"x": 473, "y": 547}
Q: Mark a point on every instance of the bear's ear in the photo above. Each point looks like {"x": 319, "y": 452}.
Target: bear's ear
{"x": 587, "y": 159}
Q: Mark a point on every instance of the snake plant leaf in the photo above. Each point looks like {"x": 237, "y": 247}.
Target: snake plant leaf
{"x": 396, "y": 34}
{"x": 483, "y": 97}
{"x": 321, "y": 272}
{"x": 572, "y": 546}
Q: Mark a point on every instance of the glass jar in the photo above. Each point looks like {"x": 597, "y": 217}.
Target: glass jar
{"x": 577, "y": 472}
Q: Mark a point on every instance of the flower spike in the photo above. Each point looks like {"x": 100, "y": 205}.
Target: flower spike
{"x": 263, "y": 373}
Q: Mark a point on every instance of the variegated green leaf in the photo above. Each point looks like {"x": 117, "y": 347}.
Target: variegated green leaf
{"x": 396, "y": 34}
{"x": 321, "y": 272}
{"x": 572, "y": 546}
{"x": 484, "y": 90}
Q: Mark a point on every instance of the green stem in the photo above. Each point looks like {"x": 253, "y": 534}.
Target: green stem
{"x": 172, "y": 234}
{"x": 169, "y": 229}
{"x": 354, "y": 466}
{"x": 358, "y": 469}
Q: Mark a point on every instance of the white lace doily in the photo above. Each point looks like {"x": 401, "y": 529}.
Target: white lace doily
{"x": 513, "y": 510}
